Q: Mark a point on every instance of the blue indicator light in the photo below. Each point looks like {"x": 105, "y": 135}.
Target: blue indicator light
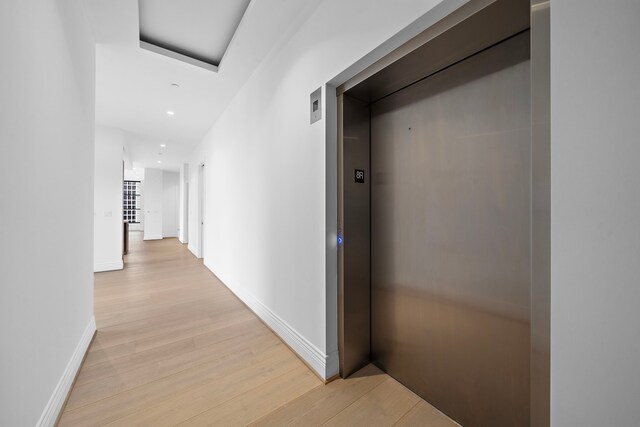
{"x": 340, "y": 240}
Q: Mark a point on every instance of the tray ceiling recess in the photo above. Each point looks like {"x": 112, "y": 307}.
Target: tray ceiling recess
{"x": 197, "y": 32}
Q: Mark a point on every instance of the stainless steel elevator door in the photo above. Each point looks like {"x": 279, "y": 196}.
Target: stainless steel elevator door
{"x": 450, "y": 236}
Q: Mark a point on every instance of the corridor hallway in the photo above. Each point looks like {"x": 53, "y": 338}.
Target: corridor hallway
{"x": 175, "y": 347}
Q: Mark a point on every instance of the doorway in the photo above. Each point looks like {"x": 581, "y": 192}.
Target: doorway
{"x": 450, "y": 236}
{"x": 201, "y": 210}
{"x": 440, "y": 206}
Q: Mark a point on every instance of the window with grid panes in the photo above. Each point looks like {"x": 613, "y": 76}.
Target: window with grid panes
{"x": 131, "y": 201}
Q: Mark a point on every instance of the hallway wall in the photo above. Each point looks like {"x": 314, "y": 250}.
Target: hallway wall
{"x": 267, "y": 236}
{"x": 46, "y": 183}
{"x": 108, "y": 204}
{"x": 595, "y": 213}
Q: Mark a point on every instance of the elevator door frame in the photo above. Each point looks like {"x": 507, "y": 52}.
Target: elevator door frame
{"x": 476, "y": 26}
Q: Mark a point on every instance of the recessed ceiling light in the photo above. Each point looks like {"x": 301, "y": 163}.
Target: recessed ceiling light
{"x": 159, "y": 161}
{"x": 163, "y": 145}
{"x": 134, "y": 168}
{"x": 171, "y": 113}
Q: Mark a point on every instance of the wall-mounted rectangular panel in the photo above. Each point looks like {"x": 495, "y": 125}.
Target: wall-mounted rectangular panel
{"x": 315, "y": 105}
{"x": 450, "y": 236}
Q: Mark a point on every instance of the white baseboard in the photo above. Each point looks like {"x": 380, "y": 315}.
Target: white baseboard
{"x": 108, "y": 266}
{"x": 194, "y": 251}
{"x": 54, "y": 406}
{"x": 152, "y": 237}
{"x": 325, "y": 365}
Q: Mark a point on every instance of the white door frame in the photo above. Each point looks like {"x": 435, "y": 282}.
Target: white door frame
{"x": 185, "y": 218}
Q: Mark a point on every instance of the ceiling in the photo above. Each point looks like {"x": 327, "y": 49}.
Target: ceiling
{"x": 211, "y": 25}
{"x": 135, "y": 87}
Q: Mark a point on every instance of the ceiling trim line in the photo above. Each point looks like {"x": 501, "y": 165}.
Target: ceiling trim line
{"x": 236, "y": 31}
{"x": 178, "y": 56}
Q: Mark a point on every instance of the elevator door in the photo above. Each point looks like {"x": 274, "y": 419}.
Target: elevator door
{"x": 450, "y": 236}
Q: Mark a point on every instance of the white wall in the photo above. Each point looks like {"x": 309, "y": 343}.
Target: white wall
{"x": 595, "y": 213}
{"x": 46, "y": 183}
{"x": 139, "y": 226}
{"x": 170, "y": 193}
{"x": 152, "y": 196}
{"x": 183, "y": 201}
{"x": 267, "y": 236}
{"x": 107, "y": 235}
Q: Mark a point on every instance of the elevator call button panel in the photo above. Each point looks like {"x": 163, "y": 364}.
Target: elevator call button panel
{"x": 316, "y": 105}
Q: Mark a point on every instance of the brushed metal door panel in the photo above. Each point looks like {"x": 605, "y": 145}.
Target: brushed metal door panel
{"x": 451, "y": 236}
{"x": 355, "y": 284}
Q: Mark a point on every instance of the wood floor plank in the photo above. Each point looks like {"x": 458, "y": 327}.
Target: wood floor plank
{"x": 257, "y": 402}
{"x": 99, "y": 355}
{"x": 189, "y": 402}
{"x": 425, "y": 415}
{"x": 199, "y": 377}
{"x": 158, "y": 351}
{"x": 206, "y": 303}
{"x": 382, "y": 406}
{"x": 152, "y": 371}
{"x": 321, "y": 404}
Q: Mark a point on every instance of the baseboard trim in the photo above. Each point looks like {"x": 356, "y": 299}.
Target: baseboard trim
{"x": 108, "y": 266}
{"x": 194, "y": 251}
{"x": 54, "y": 407}
{"x": 324, "y": 365}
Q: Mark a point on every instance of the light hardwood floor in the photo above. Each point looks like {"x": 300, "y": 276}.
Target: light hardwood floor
{"x": 176, "y": 347}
